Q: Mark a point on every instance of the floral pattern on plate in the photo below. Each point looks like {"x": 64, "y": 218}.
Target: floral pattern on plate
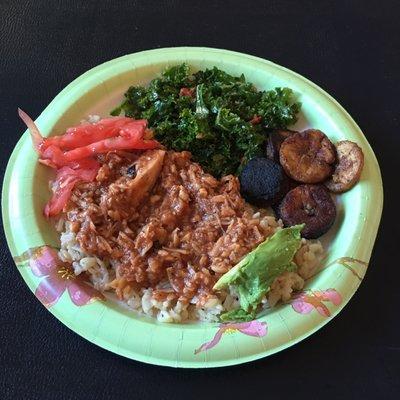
{"x": 309, "y": 300}
{"x": 253, "y": 328}
{"x": 58, "y": 277}
{"x": 349, "y": 263}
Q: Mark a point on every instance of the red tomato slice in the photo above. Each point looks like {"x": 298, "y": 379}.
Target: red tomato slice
{"x": 80, "y": 135}
{"x": 130, "y": 138}
{"x": 86, "y": 164}
{"x": 85, "y": 134}
{"x": 85, "y": 170}
{"x": 60, "y": 196}
{"x": 72, "y": 153}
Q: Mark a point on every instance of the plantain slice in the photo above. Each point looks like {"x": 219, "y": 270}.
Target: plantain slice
{"x": 308, "y": 156}
{"x": 274, "y": 142}
{"x": 350, "y": 162}
{"x": 311, "y": 205}
{"x": 263, "y": 182}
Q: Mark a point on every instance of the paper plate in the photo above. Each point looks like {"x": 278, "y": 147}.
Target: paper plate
{"x": 198, "y": 345}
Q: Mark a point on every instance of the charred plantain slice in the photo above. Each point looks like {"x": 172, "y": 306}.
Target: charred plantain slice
{"x": 274, "y": 142}
{"x": 308, "y": 156}
{"x": 263, "y": 182}
{"x": 350, "y": 162}
{"x": 311, "y": 205}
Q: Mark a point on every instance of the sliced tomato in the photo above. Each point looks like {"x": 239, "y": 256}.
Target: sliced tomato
{"x": 89, "y": 164}
{"x": 60, "y": 196}
{"x": 85, "y": 140}
{"x": 66, "y": 179}
{"x": 131, "y": 137}
{"x": 86, "y": 133}
{"x": 80, "y": 135}
{"x": 85, "y": 169}
{"x": 85, "y": 163}
{"x": 72, "y": 154}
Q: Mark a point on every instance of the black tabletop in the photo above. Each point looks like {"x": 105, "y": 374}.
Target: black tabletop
{"x": 349, "y": 48}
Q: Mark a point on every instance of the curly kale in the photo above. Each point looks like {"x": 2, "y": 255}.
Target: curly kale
{"x": 221, "y": 119}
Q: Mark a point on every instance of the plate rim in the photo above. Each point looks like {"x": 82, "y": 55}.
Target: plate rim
{"x": 152, "y": 359}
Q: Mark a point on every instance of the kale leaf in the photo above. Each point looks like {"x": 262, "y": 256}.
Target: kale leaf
{"x": 210, "y": 113}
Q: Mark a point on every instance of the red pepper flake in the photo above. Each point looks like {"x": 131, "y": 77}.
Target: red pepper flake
{"x": 186, "y": 92}
{"x": 256, "y": 119}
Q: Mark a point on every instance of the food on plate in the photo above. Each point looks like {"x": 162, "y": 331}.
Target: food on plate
{"x": 162, "y": 254}
{"x": 127, "y": 193}
{"x": 308, "y": 156}
{"x": 275, "y": 139}
{"x": 88, "y": 140}
{"x": 254, "y": 274}
{"x": 72, "y": 154}
{"x": 166, "y": 208}
{"x": 263, "y": 182}
{"x": 349, "y": 165}
{"x": 310, "y": 205}
{"x": 221, "y": 119}
{"x": 66, "y": 179}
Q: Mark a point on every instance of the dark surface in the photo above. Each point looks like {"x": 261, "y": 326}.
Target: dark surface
{"x": 351, "y": 49}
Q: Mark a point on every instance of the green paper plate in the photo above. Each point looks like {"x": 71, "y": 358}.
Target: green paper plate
{"x": 109, "y": 325}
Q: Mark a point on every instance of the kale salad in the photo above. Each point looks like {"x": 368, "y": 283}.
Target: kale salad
{"x": 223, "y": 120}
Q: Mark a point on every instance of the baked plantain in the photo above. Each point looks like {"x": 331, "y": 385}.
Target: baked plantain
{"x": 263, "y": 182}
{"x": 274, "y": 142}
{"x": 311, "y": 205}
{"x": 308, "y": 156}
{"x": 350, "y": 162}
